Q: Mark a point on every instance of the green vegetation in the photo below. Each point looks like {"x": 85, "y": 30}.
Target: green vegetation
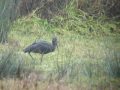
{"x": 4, "y": 21}
{"x": 88, "y": 56}
{"x": 6, "y": 15}
{"x": 10, "y": 64}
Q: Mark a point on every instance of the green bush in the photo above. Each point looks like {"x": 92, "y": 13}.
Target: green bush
{"x": 7, "y": 13}
{"x": 11, "y": 64}
{"x": 112, "y": 64}
{"x": 81, "y": 22}
{"x": 97, "y": 8}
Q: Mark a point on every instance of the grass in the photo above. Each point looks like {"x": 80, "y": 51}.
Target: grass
{"x": 81, "y": 62}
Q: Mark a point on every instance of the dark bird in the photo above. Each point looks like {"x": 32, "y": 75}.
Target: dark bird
{"x": 42, "y": 47}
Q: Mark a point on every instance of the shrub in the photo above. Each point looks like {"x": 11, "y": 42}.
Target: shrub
{"x": 100, "y": 7}
{"x": 6, "y": 16}
{"x": 112, "y": 64}
{"x": 11, "y": 64}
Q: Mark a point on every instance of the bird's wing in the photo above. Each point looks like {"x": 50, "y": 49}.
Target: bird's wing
{"x": 44, "y": 46}
{"x": 39, "y": 47}
{"x": 37, "y": 41}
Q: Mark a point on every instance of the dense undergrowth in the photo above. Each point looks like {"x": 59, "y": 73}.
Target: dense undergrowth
{"x": 88, "y": 54}
{"x": 87, "y": 58}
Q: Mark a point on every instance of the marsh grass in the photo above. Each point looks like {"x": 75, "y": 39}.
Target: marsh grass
{"x": 6, "y": 16}
{"x": 11, "y": 64}
{"x": 86, "y": 61}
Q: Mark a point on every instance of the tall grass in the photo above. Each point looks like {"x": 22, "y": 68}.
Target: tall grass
{"x": 98, "y": 8}
{"x": 11, "y": 64}
{"x": 7, "y": 13}
{"x": 82, "y": 58}
{"x": 81, "y": 22}
{"x": 88, "y": 71}
{"x": 112, "y": 64}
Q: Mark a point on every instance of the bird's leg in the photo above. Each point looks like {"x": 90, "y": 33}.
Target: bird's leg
{"x": 32, "y": 59}
{"x": 41, "y": 58}
{"x": 31, "y": 56}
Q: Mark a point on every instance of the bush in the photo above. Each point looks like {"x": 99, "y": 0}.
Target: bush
{"x": 6, "y": 16}
{"x": 11, "y": 64}
{"x": 112, "y": 64}
{"x": 80, "y": 22}
{"x": 97, "y": 8}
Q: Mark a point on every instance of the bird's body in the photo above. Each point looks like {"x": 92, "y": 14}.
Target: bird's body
{"x": 42, "y": 47}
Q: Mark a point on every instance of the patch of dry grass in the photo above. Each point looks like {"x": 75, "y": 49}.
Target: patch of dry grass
{"x": 33, "y": 84}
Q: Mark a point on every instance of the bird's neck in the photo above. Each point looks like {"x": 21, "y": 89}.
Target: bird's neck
{"x": 54, "y": 47}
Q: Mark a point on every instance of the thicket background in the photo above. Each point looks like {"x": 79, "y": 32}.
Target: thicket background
{"x": 88, "y": 56}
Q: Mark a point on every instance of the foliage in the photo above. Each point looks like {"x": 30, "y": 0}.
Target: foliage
{"x": 97, "y": 8}
{"x": 80, "y": 59}
{"x": 112, "y": 64}
{"x": 81, "y": 22}
{"x": 87, "y": 54}
{"x": 11, "y": 64}
{"x": 6, "y": 15}
{"x": 89, "y": 70}
{"x": 49, "y": 9}
{"x": 4, "y": 21}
